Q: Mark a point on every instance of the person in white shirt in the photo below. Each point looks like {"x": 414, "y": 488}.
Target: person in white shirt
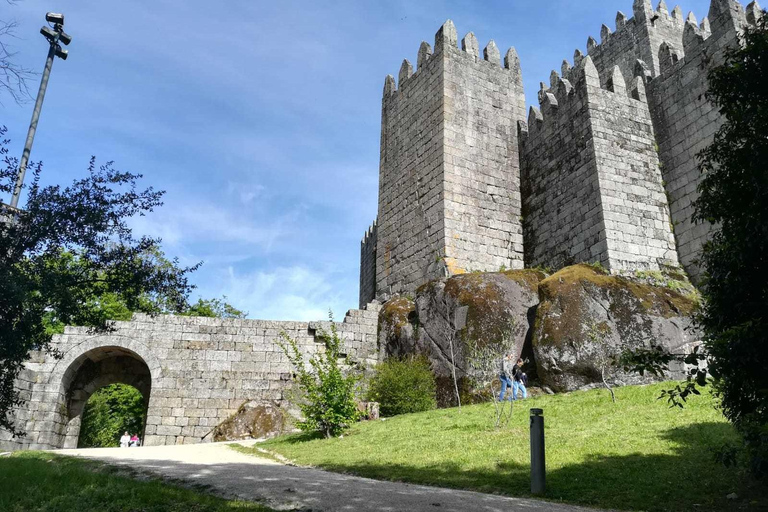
{"x": 125, "y": 440}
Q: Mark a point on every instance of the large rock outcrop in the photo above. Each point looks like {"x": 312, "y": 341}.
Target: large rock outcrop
{"x": 587, "y": 317}
{"x": 481, "y": 316}
{"x": 568, "y": 326}
{"x": 253, "y": 420}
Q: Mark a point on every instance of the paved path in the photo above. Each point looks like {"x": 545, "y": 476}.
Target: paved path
{"x": 282, "y": 487}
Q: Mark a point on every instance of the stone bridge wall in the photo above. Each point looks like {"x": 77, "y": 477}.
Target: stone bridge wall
{"x": 202, "y": 370}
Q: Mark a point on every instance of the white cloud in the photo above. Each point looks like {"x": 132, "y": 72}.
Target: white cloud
{"x": 195, "y": 222}
{"x": 283, "y": 293}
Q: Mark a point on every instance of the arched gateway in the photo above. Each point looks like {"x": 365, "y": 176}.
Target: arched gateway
{"x": 94, "y": 369}
{"x": 193, "y": 372}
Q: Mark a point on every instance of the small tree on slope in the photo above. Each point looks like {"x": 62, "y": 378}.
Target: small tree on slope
{"x": 328, "y": 401}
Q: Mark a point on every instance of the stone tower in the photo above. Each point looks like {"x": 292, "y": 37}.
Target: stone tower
{"x": 449, "y": 179}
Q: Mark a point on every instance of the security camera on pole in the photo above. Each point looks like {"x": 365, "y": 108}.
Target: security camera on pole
{"x": 56, "y": 37}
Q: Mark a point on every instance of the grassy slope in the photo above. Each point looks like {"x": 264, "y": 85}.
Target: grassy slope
{"x": 37, "y": 481}
{"x": 635, "y": 454}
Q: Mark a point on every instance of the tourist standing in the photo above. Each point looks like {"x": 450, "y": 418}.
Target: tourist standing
{"x": 518, "y": 380}
{"x": 125, "y": 441}
{"x": 505, "y": 375}
{"x": 135, "y": 440}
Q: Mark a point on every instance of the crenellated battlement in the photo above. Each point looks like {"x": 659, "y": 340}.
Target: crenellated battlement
{"x": 562, "y": 92}
{"x": 446, "y": 46}
{"x": 369, "y": 234}
{"x": 449, "y": 195}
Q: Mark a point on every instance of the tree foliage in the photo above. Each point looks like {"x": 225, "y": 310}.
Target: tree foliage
{"x": 218, "y": 308}
{"x": 109, "y": 412}
{"x": 37, "y": 277}
{"x": 734, "y": 198}
{"x": 328, "y": 387}
{"x": 403, "y": 386}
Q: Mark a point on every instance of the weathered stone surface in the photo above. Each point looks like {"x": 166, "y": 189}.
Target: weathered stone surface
{"x": 498, "y": 306}
{"x": 567, "y": 324}
{"x": 586, "y": 317}
{"x": 451, "y": 195}
{"x": 194, "y": 373}
{"x": 253, "y": 420}
{"x": 606, "y": 170}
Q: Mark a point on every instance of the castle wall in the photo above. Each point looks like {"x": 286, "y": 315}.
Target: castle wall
{"x": 201, "y": 370}
{"x": 563, "y": 221}
{"x": 368, "y": 266}
{"x": 637, "y": 38}
{"x": 635, "y": 210}
{"x": 685, "y": 122}
{"x": 592, "y": 187}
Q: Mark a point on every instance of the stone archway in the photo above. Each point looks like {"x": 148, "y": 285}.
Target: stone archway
{"x": 102, "y": 367}
{"x": 91, "y": 365}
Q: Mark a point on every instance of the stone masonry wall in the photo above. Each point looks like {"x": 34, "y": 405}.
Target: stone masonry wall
{"x": 563, "y": 221}
{"x": 200, "y": 371}
{"x": 449, "y": 178}
{"x": 592, "y": 186}
{"x": 484, "y": 100}
{"x": 685, "y": 122}
{"x": 635, "y": 39}
{"x": 635, "y": 210}
{"x": 368, "y": 266}
{"x": 410, "y": 233}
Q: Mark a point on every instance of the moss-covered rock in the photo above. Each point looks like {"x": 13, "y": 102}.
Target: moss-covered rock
{"x": 586, "y": 317}
{"x": 252, "y": 420}
{"x": 499, "y": 309}
{"x": 571, "y": 324}
{"x": 398, "y": 327}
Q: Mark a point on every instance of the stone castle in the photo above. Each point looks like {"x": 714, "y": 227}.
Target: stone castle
{"x": 604, "y": 171}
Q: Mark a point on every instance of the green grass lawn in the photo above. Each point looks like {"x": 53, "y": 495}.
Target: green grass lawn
{"x": 636, "y": 454}
{"x": 39, "y": 481}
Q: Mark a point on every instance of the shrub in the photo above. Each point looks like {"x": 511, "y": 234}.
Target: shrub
{"x": 328, "y": 391}
{"x": 403, "y": 385}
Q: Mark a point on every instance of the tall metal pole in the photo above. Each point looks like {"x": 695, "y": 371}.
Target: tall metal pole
{"x": 33, "y": 125}
{"x": 54, "y": 37}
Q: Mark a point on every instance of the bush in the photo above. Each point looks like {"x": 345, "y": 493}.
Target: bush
{"x": 403, "y": 385}
{"x": 328, "y": 392}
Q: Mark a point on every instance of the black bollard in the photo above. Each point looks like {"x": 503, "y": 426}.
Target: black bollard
{"x": 538, "y": 470}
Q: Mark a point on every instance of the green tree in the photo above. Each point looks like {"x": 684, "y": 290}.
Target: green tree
{"x": 37, "y": 279}
{"x": 218, "y": 308}
{"x": 734, "y": 198}
{"x": 109, "y": 412}
{"x": 328, "y": 402}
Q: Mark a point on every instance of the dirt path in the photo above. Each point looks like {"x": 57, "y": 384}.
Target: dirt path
{"x": 282, "y": 487}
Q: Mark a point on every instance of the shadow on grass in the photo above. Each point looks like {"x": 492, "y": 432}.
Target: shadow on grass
{"x": 302, "y": 437}
{"x": 688, "y": 479}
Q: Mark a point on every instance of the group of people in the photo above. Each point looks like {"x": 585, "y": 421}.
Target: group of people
{"x": 512, "y": 376}
{"x": 129, "y": 440}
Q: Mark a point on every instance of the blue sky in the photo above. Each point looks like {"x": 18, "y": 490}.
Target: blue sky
{"x": 260, "y": 120}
